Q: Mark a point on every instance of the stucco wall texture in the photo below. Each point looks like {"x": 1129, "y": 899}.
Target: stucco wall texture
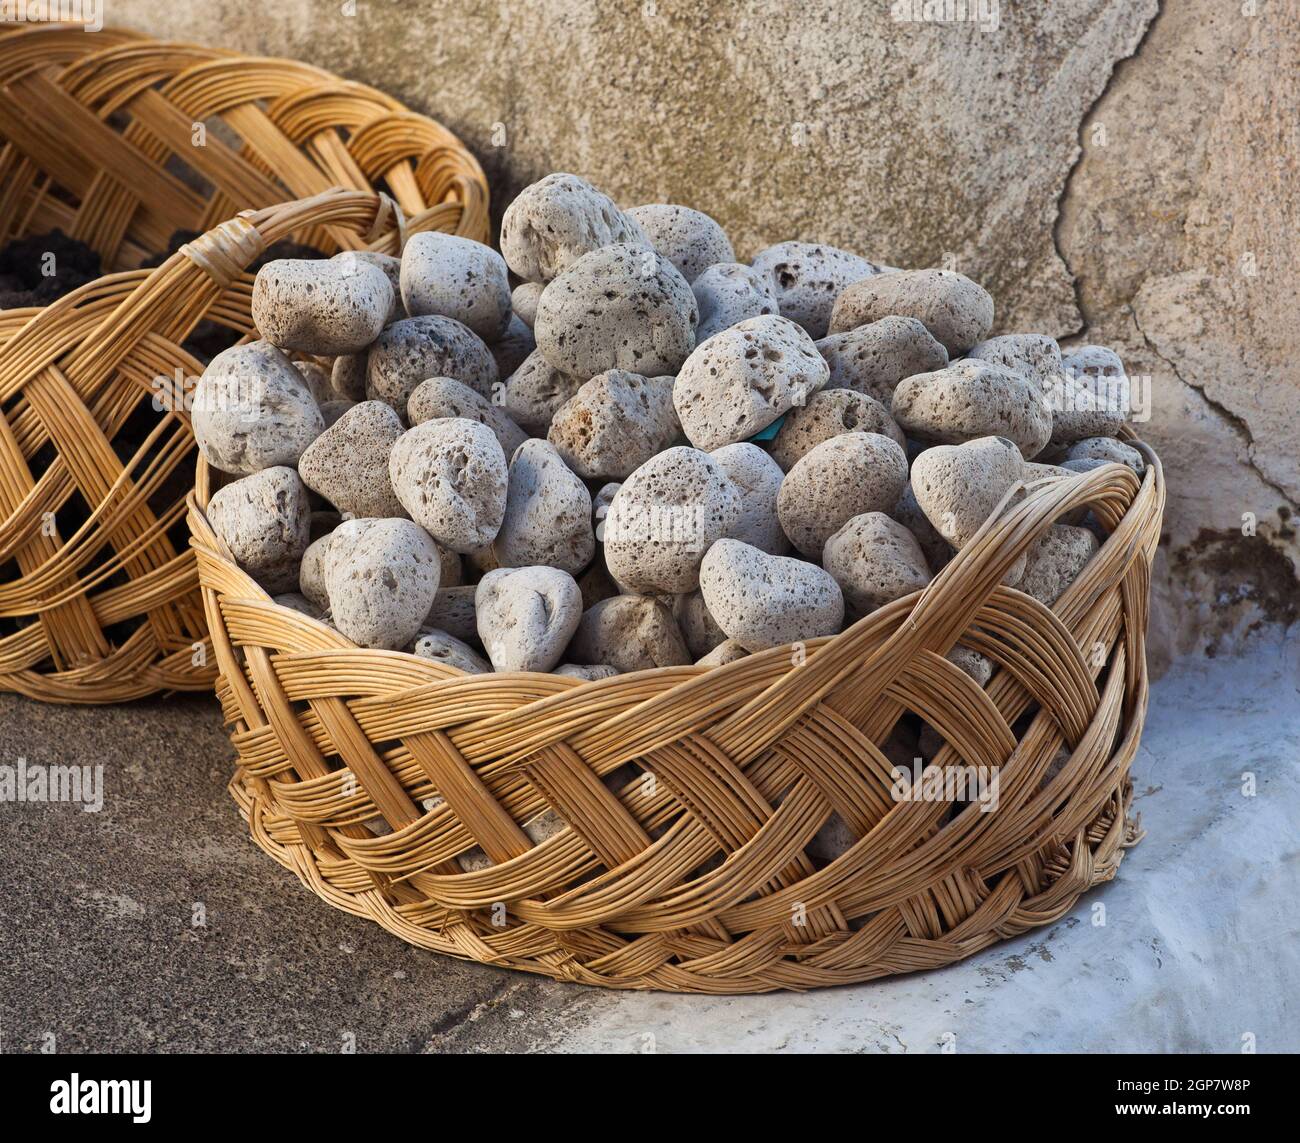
{"x": 1120, "y": 171}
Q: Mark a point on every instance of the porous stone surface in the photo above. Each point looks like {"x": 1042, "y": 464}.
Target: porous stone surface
{"x": 827, "y": 414}
{"x": 742, "y": 379}
{"x": 331, "y": 411}
{"x": 758, "y": 477}
{"x": 764, "y": 601}
{"x": 535, "y": 391}
{"x": 664, "y": 518}
{"x": 1108, "y": 450}
{"x": 874, "y": 358}
{"x": 443, "y": 647}
{"x": 588, "y": 672}
{"x": 874, "y": 559}
{"x": 629, "y": 633}
{"x": 417, "y": 348}
{"x": 619, "y": 307}
{"x": 348, "y": 376}
{"x": 698, "y": 627}
{"x": 317, "y": 378}
{"x": 808, "y": 277}
{"x": 446, "y": 397}
{"x": 958, "y": 486}
{"x": 548, "y": 517}
{"x": 311, "y": 574}
{"x": 728, "y": 651}
{"x": 265, "y": 521}
{"x": 253, "y": 410}
{"x": 298, "y": 602}
{"x": 348, "y": 462}
{"x": 688, "y": 238}
{"x": 553, "y": 222}
{"x": 381, "y": 577}
{"x": 526, "y": 616}
{"x": 731, "y": 292}
{"x": 1054, "y": 560}
{"x": 458, "y": 278}
{"x": 392, "y": 268}
{"x": 973, "y": 399}
{"x": 1032, "y": 355}
{"x": 453, "y": 612}
{"x": 614, "y": 423}
{"x": 450, "y": 475}
{"x": 321, "y": 306}
{"x": 840, "y": 478}
{"x": 1091, "y": 397}
{"x": 957, "y": 311}
{"x": 523, "y": 301}
{"x": 512, "y": 348}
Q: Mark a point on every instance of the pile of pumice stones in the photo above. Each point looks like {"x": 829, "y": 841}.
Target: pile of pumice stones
{"x": 645, "y": 454}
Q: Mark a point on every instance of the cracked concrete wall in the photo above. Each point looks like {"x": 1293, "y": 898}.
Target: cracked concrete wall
{"x": 1110, "y": 172}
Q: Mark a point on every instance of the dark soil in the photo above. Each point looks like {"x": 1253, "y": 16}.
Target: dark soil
{"x": 41, "y": 268}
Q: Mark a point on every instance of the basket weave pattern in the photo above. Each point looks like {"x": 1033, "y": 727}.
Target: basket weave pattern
{"x": 696, "y": 879}
{"x": 98, "y": 140}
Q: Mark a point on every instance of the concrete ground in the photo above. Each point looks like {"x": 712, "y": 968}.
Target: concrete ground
{"x": 1197, "y": 951}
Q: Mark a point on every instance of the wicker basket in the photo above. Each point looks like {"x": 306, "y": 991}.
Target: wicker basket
{"x": 98, "y": 602}
{"x": 698, "y": 880}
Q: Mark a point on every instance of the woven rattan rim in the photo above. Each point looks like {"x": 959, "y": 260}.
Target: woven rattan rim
{"x": 749, "y": 760}
{"x": 90, "y": 127}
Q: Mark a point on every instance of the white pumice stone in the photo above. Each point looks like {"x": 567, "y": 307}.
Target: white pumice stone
{"x": 392, "y": 268}
{"x": 957, "y": 311}
{"x": 556, "y": 220}
{"x": 548, "y": 517}
{"x": 759, "y": 479}
{"x": 1105, "y": 450}
{"x": 958, "y": 486}
{"x": 600, "y": 508}
{"x": 348, "y": 462}
{"x": 321, "y": 305}
{"x": 589, "y": 672}
{"x": 618, "y": 307}
{"x": 317, "y": 378}
{"x": 413, "y": 349}
{"x": 381, "y": 577}
{"x": 742, "y": 379}
{"x": 908, "y": 513}
{"x": 526, "y": 616}
{"x": 827, "y": 414}
{"x": 808, "y": 277}
{"x": 252, "y": 410}
{"x": 629, "y": 633}
{"x": 874, "y": 560}
{"x": 440, "y": 397}
{"x": 614, "y": 423}
{"x": 729, "y": 293}
{"x": 332, "y": 411}
{"x": 453, "y": 612}
{"x": 523, "y": 301}
{"x": 450, "y": 475}
{"x": 265, "y": 521}
{"x": 979, "y": 667}
{"x": 348, "y": 377}
{"x": 311, "y": 574}
{"x": 689, "y": 239}
{"x": 664, "y": 518}
{"x": 535, "y": 391}
{"x": 295, "y": 601}
{"x": 451, "y": 573}
{"x": 874, "y": 358}
{"x": 1054, "y": 560}
{"x": 597, "y": 584}
{"x": 728, "y": 651}
{"x": 1085, "y": 406}
{"x": 443, "y": 647}
{"x": 512, "y": 348}
{"x": 838, "y": 479}
{"x": 457, "y": 278}
{"x": 697, "y": 626}
{"x": 764, "y": 601}
{"x": 1032, "y": 355}
{"x": 973, "y": 399}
